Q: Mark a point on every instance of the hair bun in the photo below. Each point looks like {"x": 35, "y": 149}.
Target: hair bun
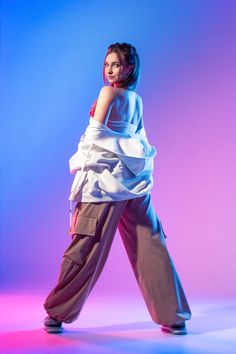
{"x": 129, "y": 46}
{"x": 123, "y": 45}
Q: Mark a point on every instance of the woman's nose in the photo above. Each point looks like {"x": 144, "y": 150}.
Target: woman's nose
{"x": 110, "y": 70}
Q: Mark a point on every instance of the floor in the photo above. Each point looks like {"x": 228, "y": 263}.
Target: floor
{"x": 115, "y": 325}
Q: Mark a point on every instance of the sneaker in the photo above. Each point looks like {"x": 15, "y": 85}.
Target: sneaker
{"x": 179, "y": 328}
{"x": 51, "y": 325}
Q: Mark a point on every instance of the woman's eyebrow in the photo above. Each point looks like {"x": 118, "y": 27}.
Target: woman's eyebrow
{"x": 114, "y": 62}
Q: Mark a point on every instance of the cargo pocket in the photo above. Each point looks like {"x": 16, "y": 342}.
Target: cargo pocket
{"x": 83, "y": 239}
{"x": 85, "y": 225}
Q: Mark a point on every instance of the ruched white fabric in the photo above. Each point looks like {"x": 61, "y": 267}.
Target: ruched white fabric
{"x": 113, "y": 162}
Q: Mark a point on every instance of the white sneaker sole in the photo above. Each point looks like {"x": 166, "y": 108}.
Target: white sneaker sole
{"x": 53, "y": 329}
{"x": 178, "y": 331}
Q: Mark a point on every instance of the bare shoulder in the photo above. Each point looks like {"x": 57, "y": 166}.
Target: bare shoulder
{"x": 108, "y": 92}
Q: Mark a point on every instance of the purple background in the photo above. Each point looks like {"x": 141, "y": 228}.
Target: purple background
{"x": 52, "y": 56}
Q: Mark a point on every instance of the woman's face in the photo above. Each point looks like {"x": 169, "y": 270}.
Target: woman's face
{"x": 115, "y": 71}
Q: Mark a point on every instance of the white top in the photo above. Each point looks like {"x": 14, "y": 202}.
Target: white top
{"x": 113, "y": 162}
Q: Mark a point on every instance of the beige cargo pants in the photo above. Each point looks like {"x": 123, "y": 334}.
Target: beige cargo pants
{"x": 93, "y": 229}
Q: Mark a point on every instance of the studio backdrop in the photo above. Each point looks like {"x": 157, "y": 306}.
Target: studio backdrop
{"x": 52, "y": 54}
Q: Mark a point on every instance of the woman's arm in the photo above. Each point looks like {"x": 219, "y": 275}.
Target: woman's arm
{"x": 92, "y": 109}
{"x": 104, "y": 103}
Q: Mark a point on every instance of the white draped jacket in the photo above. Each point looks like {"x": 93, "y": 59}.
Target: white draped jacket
{"x": 113, "y": 162}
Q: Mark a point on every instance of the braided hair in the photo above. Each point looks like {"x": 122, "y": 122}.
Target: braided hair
{"x": 131, "y": 57}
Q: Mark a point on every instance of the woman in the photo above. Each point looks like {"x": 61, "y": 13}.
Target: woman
{"x": 113, "y": 177}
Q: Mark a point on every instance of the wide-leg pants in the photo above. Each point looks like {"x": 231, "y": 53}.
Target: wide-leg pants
{"x": 93, "y": 229}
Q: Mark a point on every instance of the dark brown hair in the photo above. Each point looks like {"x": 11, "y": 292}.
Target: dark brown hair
{"x": 131, "y": 57}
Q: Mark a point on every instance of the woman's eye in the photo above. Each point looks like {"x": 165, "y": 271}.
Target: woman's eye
{"x": 116, "y": 65}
